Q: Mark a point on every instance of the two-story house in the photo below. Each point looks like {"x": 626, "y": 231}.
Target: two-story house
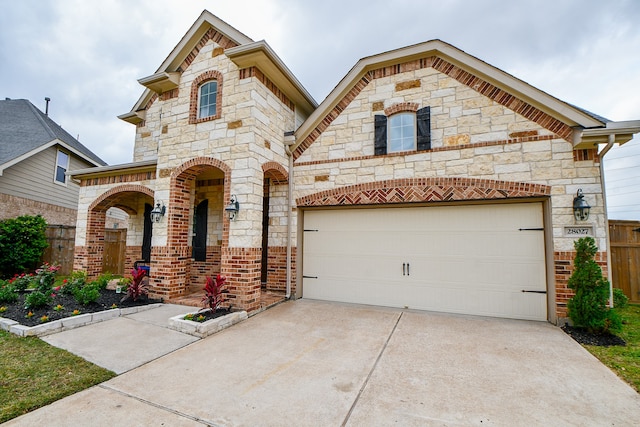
{"x": 426, "y": 179}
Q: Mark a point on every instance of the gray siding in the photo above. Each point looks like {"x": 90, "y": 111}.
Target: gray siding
{"x": 33, "y": 179}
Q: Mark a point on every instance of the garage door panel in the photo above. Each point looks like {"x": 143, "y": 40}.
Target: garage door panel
{"x": 462, "y": 259}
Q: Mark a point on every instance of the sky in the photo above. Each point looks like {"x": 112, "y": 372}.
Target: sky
{"x": 87, "y": 56}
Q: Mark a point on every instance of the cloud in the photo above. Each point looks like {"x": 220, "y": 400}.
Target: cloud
{"x": 87, "y": 56}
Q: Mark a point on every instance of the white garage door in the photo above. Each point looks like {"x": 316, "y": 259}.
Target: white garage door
{"x": 472, "y": 259}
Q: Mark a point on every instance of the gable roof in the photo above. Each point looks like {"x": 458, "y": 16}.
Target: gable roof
{"x": 550, "y": 112}
{"x": 25, "y": 131}
{"x": 242, "y": 50}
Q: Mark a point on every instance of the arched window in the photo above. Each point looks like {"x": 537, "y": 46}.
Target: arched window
{"x": 207, "y": 99}
{"x": 402, "y": 134}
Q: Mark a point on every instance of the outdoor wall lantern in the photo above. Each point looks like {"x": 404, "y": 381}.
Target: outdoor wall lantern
{"x": 580, "y": 207}
{"x": 158, "y": 212}
{"x": 233, "y": 207}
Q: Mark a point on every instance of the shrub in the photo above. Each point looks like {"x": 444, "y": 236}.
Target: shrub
{"x": 22, "y": 281}
{"x": 588, "y": 307}
{"x": 103, "y": 280}
{"x": 73, "y": 283}
{"x": 137, "y": 288}
{"x": 37, "y": 299}
{"x": 22, "y": 243}
{"x": 87, "y": 294}
{"x": 620, "y": 300}
{"x": 7, "y": 293}
{"x": 214, "y": 292}
{"x": 45, "y": 277}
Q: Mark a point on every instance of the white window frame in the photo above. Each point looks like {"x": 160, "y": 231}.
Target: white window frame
{"x": 59, "y": 165}
{"x": 209, "y": 96}
{"x": 407, "y": 132}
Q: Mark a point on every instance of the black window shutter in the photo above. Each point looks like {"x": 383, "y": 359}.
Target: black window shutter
{"x": 380, "y": 143}
{"x": 423, "y": 120}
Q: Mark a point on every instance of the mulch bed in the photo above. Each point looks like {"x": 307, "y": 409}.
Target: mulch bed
{"x": 209, "y": 315}
{"x": 583, "y": 337}
{"x": 16, "y": 311}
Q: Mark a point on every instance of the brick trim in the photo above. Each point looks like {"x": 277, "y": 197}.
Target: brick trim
{"x": 246, "y": 73}
{"x": 415, "y": 190}
{"x": 107, "y": 200}
{"x": 433, "y": 150}
{"x": 193, "y": 102}
{"x": 276, "y": 172}
{"x": 411, "y": 107}
{"x": 481, "y": 86}
{"x": 219, "y": 38}
{"x": 120, "y": 178}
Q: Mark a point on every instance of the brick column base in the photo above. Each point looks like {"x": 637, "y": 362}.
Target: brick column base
{"x": 241, "y": 266}
{"x": 563, "y": 261}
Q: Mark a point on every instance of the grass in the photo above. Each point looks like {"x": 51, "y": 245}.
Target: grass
{"x": 35, "y": 374}
{"x": 624, "y": 361}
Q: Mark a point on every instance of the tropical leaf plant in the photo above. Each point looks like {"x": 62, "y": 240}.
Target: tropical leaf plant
{"x": 137, "y": 288}
{"x": 214, "y": 292}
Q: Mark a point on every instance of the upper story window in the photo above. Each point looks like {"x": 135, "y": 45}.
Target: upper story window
{"x": 403, "y": 130}
{"x": 62, "y": 165}
{"x": 207, "y": 99}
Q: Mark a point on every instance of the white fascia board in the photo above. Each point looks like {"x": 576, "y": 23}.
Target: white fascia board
{"x": 113, "y": 168}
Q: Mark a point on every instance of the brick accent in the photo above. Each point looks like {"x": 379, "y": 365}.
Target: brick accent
{"x": 131, "y": 255}
{"x": 407, "y": 85}
{"x": 201, "y": 269}
{"x": 119, "y": 178}
{"x": 563, "y": 265}
{"x": 110, "y": 198}
{"x": 241, "y": 266}
{"x": 170, "y": 94}
{"x": 13, "y": 207}
{"x": 276, "y": 172}
{"x": 401, "y": 106}
{"x": 219, "y": 38}
{"x": 277, "y": 269}
{"x": 586, "y": 154}
{"x": 433, "y": 150}
{"x": 246, "y": 73}
{"x": 476, "y": 83}
{"x": 193, "y": 103}
{"x": 423, "y": 190}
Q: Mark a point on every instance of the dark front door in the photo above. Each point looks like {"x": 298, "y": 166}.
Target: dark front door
{"x": 146, "y": 234}
{"x": 199, "y": 242}
{"x": 265, "y": 232}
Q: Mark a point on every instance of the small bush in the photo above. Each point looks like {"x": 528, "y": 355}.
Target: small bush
{"x": 22, "y": 243}
{"x": 37, "y": 299}
{"x": 620, "y": 300}
{"x": 87, "y": 294}
{"x": 103, "y": 280}
{"x": 7, "y": 293}
{"x": 22, "y": 282}
{"x": 588, "y": 307}
{"x": 73, "y": 283}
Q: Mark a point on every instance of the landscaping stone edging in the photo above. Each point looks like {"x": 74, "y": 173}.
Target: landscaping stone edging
{"x": 69, "y": 322}
{"x": 210, "y": 327}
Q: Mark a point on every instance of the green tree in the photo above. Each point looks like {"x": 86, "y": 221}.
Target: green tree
{"x": 588, "y": 308}
{"x": 22, "y": 243}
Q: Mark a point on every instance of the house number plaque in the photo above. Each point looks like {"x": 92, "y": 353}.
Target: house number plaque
{"x": 578, "y": 231}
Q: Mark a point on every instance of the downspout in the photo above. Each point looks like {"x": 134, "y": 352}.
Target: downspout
{"x": 605, "y": 150}
{"x": 287, "y": 144}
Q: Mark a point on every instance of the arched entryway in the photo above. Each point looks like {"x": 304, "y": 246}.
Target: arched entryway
{"x": 132, "y": 200}
{"x": 197, "y": 229}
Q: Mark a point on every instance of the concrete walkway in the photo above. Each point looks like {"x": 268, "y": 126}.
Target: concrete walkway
{"x": 310, "y": 363}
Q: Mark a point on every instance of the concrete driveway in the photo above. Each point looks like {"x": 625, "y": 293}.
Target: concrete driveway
{"x": 311, "y": 363}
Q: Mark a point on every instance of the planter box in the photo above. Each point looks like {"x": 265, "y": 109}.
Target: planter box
{"x": 69, "y": 322}
{"x": 210, "y": 327}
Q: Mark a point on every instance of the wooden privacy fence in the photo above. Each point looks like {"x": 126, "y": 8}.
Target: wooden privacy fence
{"x": 61, "y": 239}
{"x": 625, "y": 257}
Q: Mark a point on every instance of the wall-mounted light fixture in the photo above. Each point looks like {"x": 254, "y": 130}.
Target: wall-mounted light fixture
{"x": 580, "y": 207}
{"x": 233, "y": 207}
{"x": 158, "y": 212}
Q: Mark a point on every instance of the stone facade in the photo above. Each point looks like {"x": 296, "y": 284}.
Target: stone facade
{"x": 487, "y": 144}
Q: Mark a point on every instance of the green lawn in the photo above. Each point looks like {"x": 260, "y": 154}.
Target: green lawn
{"x": 624, "y": 361}
{"x": 35, "y": 374}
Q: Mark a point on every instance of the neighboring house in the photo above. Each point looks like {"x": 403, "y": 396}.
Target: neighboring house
{"x": 427, "y": 179}
{"x": 35, "y": 156}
